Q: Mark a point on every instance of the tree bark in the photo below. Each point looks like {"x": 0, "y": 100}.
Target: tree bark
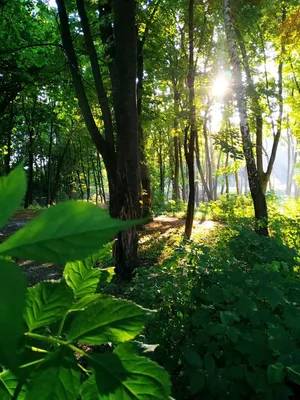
{"x": 259, "y": 200}
{"x": 189, "y": 143}
{"x": 122, "y": 164}
{"x": 49, "y": 164}
{"x": 127, "y": 201}
{"x": 145, "y": 177}
{"x": 176, "y": 194}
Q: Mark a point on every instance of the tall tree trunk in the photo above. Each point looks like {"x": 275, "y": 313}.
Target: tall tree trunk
{"x": 236, "y": 175}
{"x": 57, "y": 174}
{"x": 161, "y": 171}
{"x": 144, "y": 171}
{"x": 121, "y": 165}
{"x": 101, "y": 177}
{"x": 176, "y": 194}
{"x": 49, "y": 164}
{"x": 182, "y": 172}
{"x": 9, "y": 139}
{"x": 189, "y": 143}
{"x": 259, "y": 200}
{"x": 201, "y": 172}
{"x": 226, "y": 175}
{"x": 127, "y": 201}
{"x": 29, "y": 192}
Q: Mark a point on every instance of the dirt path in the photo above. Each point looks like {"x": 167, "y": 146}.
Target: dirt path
{"x": 154, "y": 238}
{"x": 33, "y": 271}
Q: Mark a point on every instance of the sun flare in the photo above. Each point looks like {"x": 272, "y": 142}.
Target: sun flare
{"x": 220, "y": 86}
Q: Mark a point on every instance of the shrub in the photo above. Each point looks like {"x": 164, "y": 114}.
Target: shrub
{"x": 228, "y": 320}
{"x": 49, "y": 332}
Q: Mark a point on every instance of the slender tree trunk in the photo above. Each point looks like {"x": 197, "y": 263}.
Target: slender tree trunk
{"x": 176, "y": 194}
{"x": 226, "y": 175}
{"x": 101, "y": 177}
{"x": 57, "y": 174}
{"x": 182, "y": 172}
{"x": 189, "y": 143}
{"x": 201, "y": 172}
{"x": 49, "y": 164}
{"x": 259, "y": 200}
{"x": 95, "y": 179}
{"x": 9, "y": 139}
{"x": 145, "y": 177}
{"x": 236, "y": 174}
{"x": 161, "y": 171}
{"x": 29, "y": 193}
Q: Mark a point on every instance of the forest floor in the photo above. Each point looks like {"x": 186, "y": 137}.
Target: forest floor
{"x": 153, "y": 237}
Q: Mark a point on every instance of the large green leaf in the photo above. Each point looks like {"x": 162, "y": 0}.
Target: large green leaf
{"x": 124, "y": 375}
{"x": 46, "y": 303}
{"x": 82, "y": 278}
{"x": 12, "y": 302}
{"x": 12, "y": 189}
{"x": 67, "y": 232}
{"x": 8, "y": 384}
{"x": 58, "y": 378}
{"x": 193, "y": 359}
{"x": 108, "y": 320}
{"x": 275, "y": 373}
{"x": 85, "y": 302}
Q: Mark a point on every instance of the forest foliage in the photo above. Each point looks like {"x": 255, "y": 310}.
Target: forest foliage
{"x": 114, "y": 112}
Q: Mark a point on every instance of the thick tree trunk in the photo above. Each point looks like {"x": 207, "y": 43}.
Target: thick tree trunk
{"x": 127, "y": 203}
{"x": 259, "y": 200}
{"x": 121, "y": 166}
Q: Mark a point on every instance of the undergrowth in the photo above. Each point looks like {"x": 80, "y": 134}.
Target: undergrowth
{"x": 228, "y": 321}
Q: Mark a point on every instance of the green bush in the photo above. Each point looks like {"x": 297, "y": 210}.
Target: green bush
{"x": 163, "y": 206}
{"x": 244, "y": 333}
{"x": 50, "y": 334}
{"x": 228, "y": 320}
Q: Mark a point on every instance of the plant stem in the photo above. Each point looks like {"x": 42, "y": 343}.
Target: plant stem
{"x": 17, "y": 391}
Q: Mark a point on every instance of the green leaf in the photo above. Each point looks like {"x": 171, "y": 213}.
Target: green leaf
{"x": 12, "y": 189}
{"x": 46, "y": 303}
{"x": 8, "y": 384}
{"x": 137, "y": 347}
{"x": 227, "y": 317}
{"x": 12, "y": 302}
{"x": 233, "y": 334}
{"x": 293, "y": 373}
{"x": 108, "y": 320}
{"x": 275, "y": 373}
{"x": 85, "y": 302}
{"x": 81, "y": 278}
{"x": 57, "y": 378}
{"x": 67, "y": 232}
{"x": 120, "y": 375}
{"x": 192, "y": 358}
{"x": 209, "y": 363}
{"x": 197, "y": 381}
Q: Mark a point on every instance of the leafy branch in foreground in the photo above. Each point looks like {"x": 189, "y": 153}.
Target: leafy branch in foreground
{"x": 49, "y": 332}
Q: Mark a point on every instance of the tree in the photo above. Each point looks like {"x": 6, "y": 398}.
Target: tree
{"x": 120, "y": 156}
{"x": 259, "y": 200}
{"x": 191, "y": 129}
